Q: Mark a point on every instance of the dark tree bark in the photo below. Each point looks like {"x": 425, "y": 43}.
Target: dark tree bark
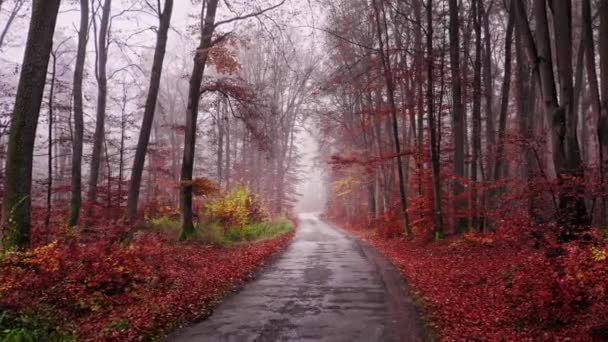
{"x": 196, "y": 79}
{"x": 390, "y": 87}
{"x": 458, "y": 131}
{"x": 49, "y": 186}
{"x": 146, "y": 126}
{"x": 434, "y": 146}
{"x": 18, "y": 174}
{"x": 76, "y": 198}
{"x": 488, "y": 90}
{"x": 603, "y": 119}
{"x": 504, "y": 104}
{"x": 572, "y": 213}
{"x": 476, "y": 115}
{"x": 102, "y": 92}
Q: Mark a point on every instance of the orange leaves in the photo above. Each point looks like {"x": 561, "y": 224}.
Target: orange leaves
{"x": 202, "y": 186}
{"x": 223, "y": 56}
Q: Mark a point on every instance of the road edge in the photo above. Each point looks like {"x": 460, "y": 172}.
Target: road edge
{"x": 411, "y": 322}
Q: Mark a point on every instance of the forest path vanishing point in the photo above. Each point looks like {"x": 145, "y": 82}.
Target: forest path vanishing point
{"x": 324, "y": 287}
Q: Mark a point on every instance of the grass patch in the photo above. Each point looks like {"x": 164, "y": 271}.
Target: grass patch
{"x": 259, "y": 231}
{"x": 25, "y": 327}
{"x": 214, "y": 233}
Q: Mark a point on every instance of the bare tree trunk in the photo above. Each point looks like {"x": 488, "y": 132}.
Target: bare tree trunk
{"x": 76, "y": 198}
{"x": 602, "y": 127}
{"x": 458, "y": 131}
{"x": 419, "y": 84}
{"x": 220, "y": 144}
{"x": 435, "y": 162}
{"x": 476, "y": 117}
{"x": 146, "y": 126}
{"x": 102, "y": 92}
{"x": 488, "y": 91}
{"x": 49, "y": 188}
{"x": 390, "y": 87}
{"x": 18, "y": 175}
{"x": 10, "y": 20}
{"x": 228, "y": 149}
{"x": 504, "y": 104}
{"x": 572, "y": 213}
{"x": 196, "y": 80}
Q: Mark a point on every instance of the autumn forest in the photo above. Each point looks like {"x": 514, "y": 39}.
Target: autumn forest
{"x": 284, "y": 170}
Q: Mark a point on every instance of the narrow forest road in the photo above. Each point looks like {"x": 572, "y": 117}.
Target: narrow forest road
{"x": 324, "y": 287}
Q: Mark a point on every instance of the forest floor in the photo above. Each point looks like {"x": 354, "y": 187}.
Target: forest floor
{"x": 99, "y": 291}
{"x": 480, "y": 287}
{"x": 324, "y": 287}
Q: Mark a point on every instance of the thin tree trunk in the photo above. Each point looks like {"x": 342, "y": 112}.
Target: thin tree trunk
{"x": 49, "y": 188}
{"x": 476, "y": 117}
{"x": 149, "y": 110}
{"x": 102, "y": 92}
{"x": 602, "y": 128}
{"x": 76, "y": 198}
{"x": 504, "y": 104}
{"x": 18, "y": 175}
{"x": 196, "y": 80}
{"x": 390, "y": 87}
{"x": 435, "y": 162}
{"x": 488, "y": 90}
{"x": 11, "y": 19}
{"x": 458, "y": 131}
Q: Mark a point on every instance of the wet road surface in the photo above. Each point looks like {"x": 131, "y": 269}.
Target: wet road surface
{"x": 324, "y": 287}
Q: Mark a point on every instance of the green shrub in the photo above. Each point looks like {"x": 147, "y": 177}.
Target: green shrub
{"x": 28, "y": 327}
{"x": 167, "y": 225}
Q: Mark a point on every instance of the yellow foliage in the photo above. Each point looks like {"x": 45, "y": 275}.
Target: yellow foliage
{"x": 598, "y": 255}
{"x": 346, "y": 185}
{"x": 233, "y": 209}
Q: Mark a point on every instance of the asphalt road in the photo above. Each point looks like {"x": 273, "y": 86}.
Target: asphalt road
{"x": 324, "y": 287}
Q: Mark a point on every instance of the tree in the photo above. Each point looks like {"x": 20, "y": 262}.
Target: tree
{"x": 77, "y": 144}
{"x": 164, "y": 16}
{"x": 196, "y": 80}
{"x": 458, "y": 123}
{"x": 572, "y": 213}
{"x": 208, "y": 26}
{"x": 18, "y": 175}
{"x": 390, "y": 88}
{"x": 101, "y": 49}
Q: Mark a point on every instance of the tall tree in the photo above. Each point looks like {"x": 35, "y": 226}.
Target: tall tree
{"x": 434, "y": 146}
{"x": 390, "y": 88}
{"x": 18, "y": 175}
{"x": 78, "y": 134}
{"x": 602, "y": 127}
{"x": 458, "y": 124}
{"x": 572, "y": 213}
{"x": 102, "y": 93}
{"x": 196, "y": 80}
{"x": 164, "y": 16}
{"x": 476, "y": 114}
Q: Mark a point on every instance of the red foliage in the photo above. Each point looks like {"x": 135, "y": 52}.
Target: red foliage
{"x": 498, "y": 287}
{"x": 144, "y": 287}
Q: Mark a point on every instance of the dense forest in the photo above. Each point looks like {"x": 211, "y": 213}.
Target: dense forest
{"x": 153, "y": 155}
